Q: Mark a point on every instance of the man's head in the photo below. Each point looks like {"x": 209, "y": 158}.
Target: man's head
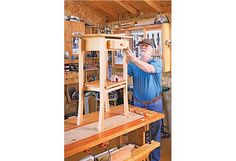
{"x": 146, "y": 46}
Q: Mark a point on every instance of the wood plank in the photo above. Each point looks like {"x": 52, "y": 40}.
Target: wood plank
{"x": 87, "y": 143}
{"x": 86, "y": 131}
{"x": 102, "y": 75}
{"x": 67, "y": 31}
{"x": 81, "y": 83}
{"x": 103, "y": 35}
{"x": 166, "y": 50}
{"x": 143, "y": 151}
{"x": 125, "y": 89}
{"x": 155, "y": 26}
{"x": 154, "y": 5}
{"x": 122, "y": 153}
{"x": 127, "y": 6}
{"x": 107, "y": 102}
{"x": 106, "y": 8}
{"x": 94, "y": 86}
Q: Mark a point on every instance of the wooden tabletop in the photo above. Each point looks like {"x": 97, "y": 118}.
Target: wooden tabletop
{"x": 102, "y": 137}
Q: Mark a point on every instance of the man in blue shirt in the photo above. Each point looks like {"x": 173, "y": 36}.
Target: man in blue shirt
{"x": 147, "y": 73}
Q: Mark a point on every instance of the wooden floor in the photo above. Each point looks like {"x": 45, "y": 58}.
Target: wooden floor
{"x": 165, "y": 149}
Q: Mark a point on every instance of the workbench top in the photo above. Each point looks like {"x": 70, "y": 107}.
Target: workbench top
{"x": 84, "y": 144}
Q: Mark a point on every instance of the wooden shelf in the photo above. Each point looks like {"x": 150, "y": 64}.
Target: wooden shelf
{"x": 69, "y": 61}
{"x": 87, "y": 70}
{"x": 102, "y": 35}
{"x": 92, "y": 58}
{"x": 109, "y": 85}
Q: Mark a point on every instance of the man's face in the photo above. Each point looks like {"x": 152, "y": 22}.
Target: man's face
{"x": 145, "y": 49}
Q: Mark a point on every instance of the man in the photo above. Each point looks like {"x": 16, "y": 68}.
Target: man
{"x": 147, "y": 74}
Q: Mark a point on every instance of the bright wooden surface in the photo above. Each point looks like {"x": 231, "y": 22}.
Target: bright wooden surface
{"x": 117, "y": 44}
{"x": 99, "y": 42}
{"x": 94, "y": 86}
{"x": 166, "y": 50}
{"x": 81, "y": 83}
{"x": 142, "y": 152}
{"x": 92, "y": 141}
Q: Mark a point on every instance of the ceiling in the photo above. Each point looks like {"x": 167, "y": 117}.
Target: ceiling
{"x": 115, "y": 10}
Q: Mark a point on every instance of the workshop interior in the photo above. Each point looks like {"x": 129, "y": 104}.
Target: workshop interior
{"x": 100, "y": 120}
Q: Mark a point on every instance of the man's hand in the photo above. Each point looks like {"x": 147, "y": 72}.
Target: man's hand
{"x": 116, "y": 78}
{"x": 129, "y": 54}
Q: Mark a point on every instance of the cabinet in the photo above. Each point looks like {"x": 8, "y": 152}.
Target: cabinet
{"x": 101, "y": 43}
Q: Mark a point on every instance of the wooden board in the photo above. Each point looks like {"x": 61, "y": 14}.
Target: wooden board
{"x": 91, "y": 129}
{"x": 94, "y": 86}
{"x": 142, "y": 152}
{"x": 94, "y": 140}
{"x": 103, "y": 35}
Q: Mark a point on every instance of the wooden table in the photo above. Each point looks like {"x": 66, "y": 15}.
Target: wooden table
{"x": 89, "y": 142}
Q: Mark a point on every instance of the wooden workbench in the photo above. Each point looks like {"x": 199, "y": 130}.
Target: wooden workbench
{"x": 89, "y": 142}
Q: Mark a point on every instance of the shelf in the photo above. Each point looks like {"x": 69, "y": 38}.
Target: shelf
{"x": 102, "y": 35}
{"x": 91, "y": 58}
{"x": 90, "y": 70}
{"x": 109, "y": 85}
{"x": 69, "y": 61}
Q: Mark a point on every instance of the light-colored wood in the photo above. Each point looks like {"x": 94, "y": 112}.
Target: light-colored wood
{"x": 116, "y": 88}
{"x": 95, "y": 44}
{"x": 100, "y": 43}
{"x": 107, "y": 102}
{"x": 99, "y": 12}
{"x": 81, "y": 84}
{"x": 154, "y": 5}
{"x": 104, "y": 35}
{"x": 94, "y": 86}
{"x": 102, "y": 90}
{"x": 87, "y": 143}
{"x": 78, "y": 8}
{"x": 155, "y": 26}
{"x": 139, "y": 139}
{"x": 107, "y": 9}
{"x": 67, "y": 31}
{"x": 86, "y": 131}
{"x": 125, "y": 89}
{"x": 117, "y": 44}
{"x": 142, "y": 152}
{"x": 127, "y": 6}
{"x": 122, "y": 153}
{"x": 166, "y": 51}
{"x": 71, "y": 77}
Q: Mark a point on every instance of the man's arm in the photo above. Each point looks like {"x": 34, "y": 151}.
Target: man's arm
{"x": 141, "y": 64}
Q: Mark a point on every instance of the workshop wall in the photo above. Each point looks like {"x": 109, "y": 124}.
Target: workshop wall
{"x": 75, "y": 8}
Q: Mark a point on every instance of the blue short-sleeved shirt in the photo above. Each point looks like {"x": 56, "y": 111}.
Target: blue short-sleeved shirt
{"x": 147, "y": 86}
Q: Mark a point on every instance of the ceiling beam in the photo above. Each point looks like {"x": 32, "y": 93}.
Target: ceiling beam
{"x": 109, "y": 10}
{"x": 154, "y": 5}
{"x": 166, "y": 9}
{"x": 125, "y": 4}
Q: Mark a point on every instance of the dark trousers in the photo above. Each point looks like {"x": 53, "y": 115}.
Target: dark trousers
{"x": 156, "y": 126}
